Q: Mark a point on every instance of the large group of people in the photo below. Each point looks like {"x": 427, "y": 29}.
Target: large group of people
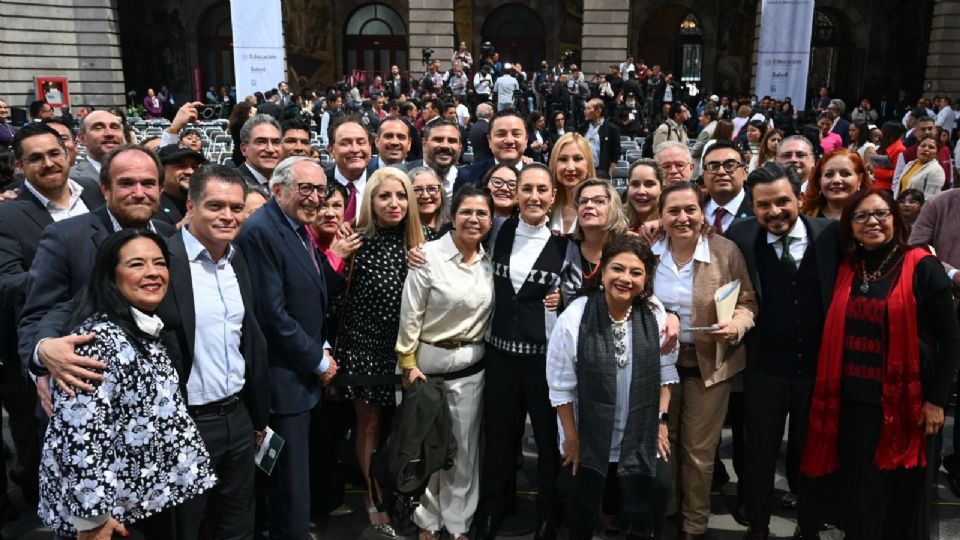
{"x": 173, "y": 320}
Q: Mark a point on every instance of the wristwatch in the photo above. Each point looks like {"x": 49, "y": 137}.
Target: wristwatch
{"x": 664, "y": 417}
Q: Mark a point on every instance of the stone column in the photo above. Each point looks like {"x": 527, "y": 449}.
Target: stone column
{"x": 605, "y": 27}
{"x": 431, "y": 26}
{"x": 942, "y": 75}
{"x": 76, "y": 39}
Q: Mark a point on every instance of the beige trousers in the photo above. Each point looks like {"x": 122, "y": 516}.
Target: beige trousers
{"x": 696, "y": 420}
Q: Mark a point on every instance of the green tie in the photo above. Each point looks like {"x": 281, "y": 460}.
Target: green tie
{"x": 787, "y": 258}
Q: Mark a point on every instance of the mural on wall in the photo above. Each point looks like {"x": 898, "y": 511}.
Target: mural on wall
{"x": 308, "y": 28}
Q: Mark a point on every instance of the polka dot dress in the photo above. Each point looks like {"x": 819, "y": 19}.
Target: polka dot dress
{"x": 368, "y": 333}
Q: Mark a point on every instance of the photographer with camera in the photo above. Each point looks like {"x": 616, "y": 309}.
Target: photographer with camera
{"x": 505, "y": 88}
{"x": 396, "y": 85}
{"x": 483, "y": 84}
{"x": 432, "y": 80}
{"x": 456, "y": 82}
{"x": 462, "y": 56}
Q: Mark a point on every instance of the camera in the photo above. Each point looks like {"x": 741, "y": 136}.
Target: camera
{"x": 487, "y": 48}
{"x": 569, "y": 57}
{"x": 208, "y": 112}
{"x": 427, "y": 53}
{"x": 343, "y": 87}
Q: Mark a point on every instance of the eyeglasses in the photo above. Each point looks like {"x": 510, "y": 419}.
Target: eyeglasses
{"x": 467, "y": 213}
{"x": 729, "y": 166}
{"x": 498, "y": 183}
{"x": 798, "y": 155}
{"x": 429, "y": 190}
{"x": 599, "y": 200}
{"x": 881, "y": 214}
{"x": 305, "y": 190}
{"x": 263, "y": 142}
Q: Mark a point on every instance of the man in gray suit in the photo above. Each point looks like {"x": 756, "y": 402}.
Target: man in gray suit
{"x": 100, "y": 132}
{"x": 708, "y": 122}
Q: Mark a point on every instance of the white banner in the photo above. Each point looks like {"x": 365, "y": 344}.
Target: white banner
{"x": 783, "y": 56}
{"x": 257, "y": 45}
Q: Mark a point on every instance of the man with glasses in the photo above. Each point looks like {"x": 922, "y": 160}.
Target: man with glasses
{"x": 350, "y": 150}
{"x": 675, "y": 159}
{"x": 936, "y": 227}
{"x": 290, "y": 301}
{"x": 797, "y": 150}
{"x": 260, "y": 145}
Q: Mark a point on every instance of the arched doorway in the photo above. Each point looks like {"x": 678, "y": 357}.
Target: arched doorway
{"x": 672, "y": 37}
{"x": 835, "y": 60}
{"x": 375, "y": 38}
{"x": 518, "y": 34}
{"x": 215, "y": 46}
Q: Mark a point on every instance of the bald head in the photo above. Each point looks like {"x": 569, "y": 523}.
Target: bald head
{"x": 100, "y": 132}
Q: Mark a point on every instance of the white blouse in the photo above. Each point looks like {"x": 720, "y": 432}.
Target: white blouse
{"x": 675, "y": 287}
{"x": 562, "y": 367}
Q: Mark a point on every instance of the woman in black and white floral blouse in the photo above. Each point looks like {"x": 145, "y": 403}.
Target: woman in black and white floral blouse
{"x": 127, "y": 452}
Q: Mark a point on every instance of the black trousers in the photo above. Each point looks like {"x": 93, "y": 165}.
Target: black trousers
{"x": 228, "y": 508}
{"x": 877, "y": 505}
{"x": 19, "y": 398}
{"x": 516, "y": 385}
{"x": 769, "y": 399}
{"x": 612, "y": 501}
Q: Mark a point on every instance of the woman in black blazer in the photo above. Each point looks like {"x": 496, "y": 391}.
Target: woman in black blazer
{"x": 538, "y": 143}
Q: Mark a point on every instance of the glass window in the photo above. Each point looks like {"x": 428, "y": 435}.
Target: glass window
{"x": 375, "y": 20}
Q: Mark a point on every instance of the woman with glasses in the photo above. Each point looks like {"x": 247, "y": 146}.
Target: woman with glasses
{"x": 643, "y": 193}
{"x": 390, "y": 225}
{"x": 528, "y": 261}
{"x": 431, "y": 201}
{"x": 890, "y": 350}
{"x": 693, "y": 264}
{"x": 331, "y": 235}
{"x": 444, "y": 315}
{"x": 501, "y": 181}
{"x": 571, "y": 162}
{"x": 835, "y": 179}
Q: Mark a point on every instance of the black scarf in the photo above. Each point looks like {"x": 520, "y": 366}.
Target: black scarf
{"x": 596, "y": 404}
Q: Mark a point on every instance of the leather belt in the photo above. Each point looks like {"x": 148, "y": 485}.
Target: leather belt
{"x": 452, "y": 344}
{"x": 216, "y": 408}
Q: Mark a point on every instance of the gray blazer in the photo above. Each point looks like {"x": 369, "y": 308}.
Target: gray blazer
{"x": 84, "y": 170}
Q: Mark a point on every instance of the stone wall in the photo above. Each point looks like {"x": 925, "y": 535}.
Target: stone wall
{"x": 77, "y": 39}
{"x": 942, "y": 75}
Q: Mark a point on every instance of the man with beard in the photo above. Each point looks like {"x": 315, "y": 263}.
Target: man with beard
{"x": 179, "y": 164}
{"x": 130, "y": 183}
{"x": 100, "y": 132}
{"x": 508, "y": 142}
{"x": 393, "y": 144}
{"x": 792, "y": 260}
{"x": 46, "y": 196}
{"x": 260, "y": 144}
{"x": 441, "y": 151}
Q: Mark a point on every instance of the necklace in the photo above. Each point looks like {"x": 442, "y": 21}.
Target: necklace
{"x": 619, "y": 329}
{"x": 876, "y": 274}
{"x": 680, "y": 264}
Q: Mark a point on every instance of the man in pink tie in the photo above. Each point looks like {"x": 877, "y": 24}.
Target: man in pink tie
{"x": 350, "y": 147}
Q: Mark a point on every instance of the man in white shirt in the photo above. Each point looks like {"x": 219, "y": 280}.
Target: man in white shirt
{"x": 505, "y": 86}
{"x": 350, "y": 150}
{"x": 393, "y": 143}
{"x": 947, "y": 117}
{"x": 100, "y": 132}
{"x": 483, "y": 83}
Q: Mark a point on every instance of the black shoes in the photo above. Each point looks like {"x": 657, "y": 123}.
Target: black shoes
{"x": 757, "y": 534}
{"x": 487, "y": 528}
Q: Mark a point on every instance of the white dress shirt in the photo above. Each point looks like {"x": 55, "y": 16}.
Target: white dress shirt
{"x": 731, "y": 207}
{"x": 675, "y": 287}
{"x": 75, "y": 207}
{"x": 528, "y": 242}
{"x": 261, "y": 179}
{"x": 360, "y": 184}
{"x": 797, "y": 246}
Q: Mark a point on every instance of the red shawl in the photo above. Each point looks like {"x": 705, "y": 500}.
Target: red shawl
{"x": 901, "y": 443}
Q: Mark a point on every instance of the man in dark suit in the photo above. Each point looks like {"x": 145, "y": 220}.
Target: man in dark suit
{"x": 393, "y": 144}
{"x": 603, "y": 137}
{"x": 350, "y": 150}
{"x": 841, "y": 126}
{"x": 792, "y": 260}
{"x": 100, "y": 132}
{"x": 508, "y": 142}
{"x": 291, "y": 300}
{"x": 478, "y": 133}
{"x": 271, "y": 106}
{"x": 260, "y": 145}
{"x": 131, "y": 187}
{"x": 179, "y": 164}
{"x": 46, "y": 195}
{"x": 408, "y": 113}
{"x": 222, "y": 352}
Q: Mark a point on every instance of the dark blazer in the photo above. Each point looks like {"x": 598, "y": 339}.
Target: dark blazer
{"x": 178, "y": 311}
{"x": 745, "y": 210}
{"x": 609, "y": 145}
{"x": 842, "y": 128}
{"x": 822, "y": 235}
{"x": 473, "y": 173}
{"x": 248, "y": 176}
{"x": 478, "y": 140}
{"x": 291, "y": 301}
{"x": 64, "y": 258}
{"x": 375, "y": 164}
{"x": 272, "y": 109}
{"x": 169, "y": 210}
{"x": 21, "y": 225}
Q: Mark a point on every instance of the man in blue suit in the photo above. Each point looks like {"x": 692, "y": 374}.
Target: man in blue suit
{"x": 508, "y": 142}
{"x": 291, "y": 300}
